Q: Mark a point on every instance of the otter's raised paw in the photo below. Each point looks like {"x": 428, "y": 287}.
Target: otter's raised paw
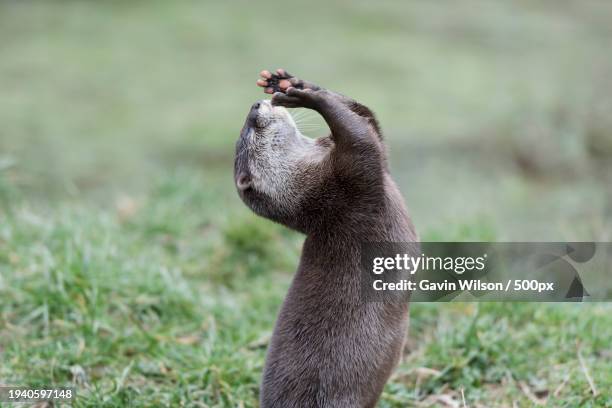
{"x": 280, "y": 81}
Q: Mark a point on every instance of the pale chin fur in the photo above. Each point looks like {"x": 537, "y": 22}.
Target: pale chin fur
{"x": 278, "y": 149}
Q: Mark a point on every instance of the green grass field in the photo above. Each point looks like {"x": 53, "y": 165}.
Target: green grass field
{"x": 130, "y": 269}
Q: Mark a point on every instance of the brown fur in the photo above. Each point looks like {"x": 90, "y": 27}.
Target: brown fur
{"x": 330, "y": 348}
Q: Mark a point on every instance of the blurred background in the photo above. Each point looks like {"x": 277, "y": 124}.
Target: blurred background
{"x": 128, "y": 263}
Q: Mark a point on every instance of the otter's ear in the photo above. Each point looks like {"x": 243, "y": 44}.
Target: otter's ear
{"x": 243, "y": 181}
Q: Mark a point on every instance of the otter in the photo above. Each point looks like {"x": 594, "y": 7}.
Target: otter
{"x": 330, "y": 347}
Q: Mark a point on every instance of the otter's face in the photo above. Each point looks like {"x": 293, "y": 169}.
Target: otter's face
{"x": 271, "y": 155}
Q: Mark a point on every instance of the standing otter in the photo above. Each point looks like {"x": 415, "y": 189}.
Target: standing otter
{"x": 330, "y": 347}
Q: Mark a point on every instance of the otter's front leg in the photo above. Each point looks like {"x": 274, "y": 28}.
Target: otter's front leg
{"x": 350, "y": 131}
{"x": 338, "y": 110}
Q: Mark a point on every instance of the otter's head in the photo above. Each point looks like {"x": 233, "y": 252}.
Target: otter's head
{"x": 272, "y": 161}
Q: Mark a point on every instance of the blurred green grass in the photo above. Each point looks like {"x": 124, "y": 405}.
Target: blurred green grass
{"x": 101, "y": 98}
{"x": 170, "y": 306}
{"x": 129, "y": 267}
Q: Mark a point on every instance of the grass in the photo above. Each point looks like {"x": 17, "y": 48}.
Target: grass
{"x": 130, "y": 269}
{"x": 138, "y": 312}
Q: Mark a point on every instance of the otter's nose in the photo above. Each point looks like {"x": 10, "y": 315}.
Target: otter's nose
{"x": 256, "y": 105}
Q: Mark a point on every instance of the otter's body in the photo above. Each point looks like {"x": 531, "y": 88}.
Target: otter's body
{"x": 330, "y": 348}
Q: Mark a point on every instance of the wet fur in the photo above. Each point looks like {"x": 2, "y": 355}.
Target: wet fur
{"x": 329, "y": 347}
